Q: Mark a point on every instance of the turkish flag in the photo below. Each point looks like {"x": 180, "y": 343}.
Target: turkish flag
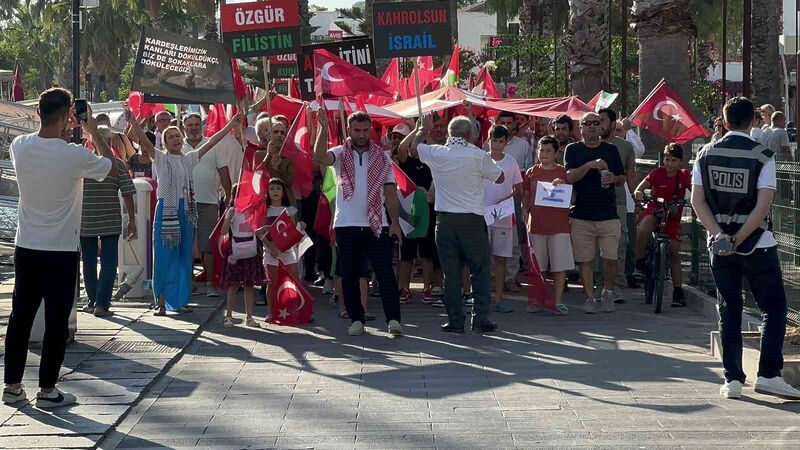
{"x": 426, "y": 72}
{"x": 291, "y": 302}
{"x": 294, "y": 87}
{"x": 297, "y": 147}
{"x": 324, "y": 217}
{"x": 664, "y": 114}
{"x": 337, "y": 77}
{"x": 253, "y": 184}
{"x": 284, "y": 233}
{"x": 484, "y": 84}
{"x": 220, "y": 243}
{"x": 139, "y": 108}
{"x": 17, "y": 93}
{"x": 437, "y": 79}
{"x": 538, "y": 293}
{"x": 239, "y": 89}
{"x": 216, "y": 120}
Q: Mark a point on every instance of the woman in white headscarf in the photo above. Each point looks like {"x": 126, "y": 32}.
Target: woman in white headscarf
{"x": 176, "y": 214}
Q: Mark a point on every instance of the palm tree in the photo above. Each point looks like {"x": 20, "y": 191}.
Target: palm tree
{"x": 766, "y": 63}
{"x": 586, "y": 46}
{"x": 664, "y": 29}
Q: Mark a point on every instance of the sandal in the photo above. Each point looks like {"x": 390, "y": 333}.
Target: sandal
{"x": 343, "y": 314}
{"x": 368, "y": 317}
{"x": 160, "y": 311}
{"x": 250, "y": 322}
{"x": 562, "y": 309}
{"x": 228, "y": 322}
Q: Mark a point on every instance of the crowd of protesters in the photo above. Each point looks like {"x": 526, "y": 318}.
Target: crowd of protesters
{"x": 464, "y": 165}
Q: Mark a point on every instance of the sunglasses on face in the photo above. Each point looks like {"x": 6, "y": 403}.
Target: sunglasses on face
{"x": 591, "y": 123}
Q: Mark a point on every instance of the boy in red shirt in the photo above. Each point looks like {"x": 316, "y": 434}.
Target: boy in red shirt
{"x": 549, "y": 226}
{"x": 669, "y": 182}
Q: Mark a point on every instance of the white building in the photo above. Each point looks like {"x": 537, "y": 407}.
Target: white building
{"x": 325, "y": 21}
{"x": 476, "y": 26}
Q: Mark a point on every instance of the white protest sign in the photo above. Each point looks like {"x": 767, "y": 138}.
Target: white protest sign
{"x": 553, "y": 196}
{"x": 499, "y": 211}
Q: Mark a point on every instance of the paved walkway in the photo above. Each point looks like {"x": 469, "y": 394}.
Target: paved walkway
{"x": 626, "y": 379}
{"x": 111, "y": 363}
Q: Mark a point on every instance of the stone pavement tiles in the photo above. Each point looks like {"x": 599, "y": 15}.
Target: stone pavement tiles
{"x": 112, "y": 361}
{"x": 627, "y": 379}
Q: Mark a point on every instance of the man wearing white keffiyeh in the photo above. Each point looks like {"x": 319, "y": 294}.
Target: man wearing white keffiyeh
{"x": 176, "y": 213}
{"x": 460, "y": 171}
{"x": 365, "y": 181}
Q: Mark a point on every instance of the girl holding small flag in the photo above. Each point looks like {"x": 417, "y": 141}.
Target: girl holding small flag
{"x": 243, "y": 266}
{"x": 277, "y": 203}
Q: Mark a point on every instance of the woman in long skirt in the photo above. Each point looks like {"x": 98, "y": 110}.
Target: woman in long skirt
{"x": 176, "y": 213}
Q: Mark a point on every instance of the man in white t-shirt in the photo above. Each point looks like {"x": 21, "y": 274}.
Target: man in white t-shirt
{"x": 460, "y": 171}
{"x": 501, "y": 232}
{"x": 365, "y": 183}
{"x": 734, "y": 185}
{"x": 50, "y": 175}
{"x": 208, "y": 176}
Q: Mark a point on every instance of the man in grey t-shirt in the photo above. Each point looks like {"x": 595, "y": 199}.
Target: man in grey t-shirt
{"x": 777, "y": 139}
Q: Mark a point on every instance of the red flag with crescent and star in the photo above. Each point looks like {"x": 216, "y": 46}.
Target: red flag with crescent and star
{"x": 220, "y": 243}
{"x": 252, "y": 191}
{"x": 337, "y": 77}
{"x": 292, "y": 304}
{"x": 664, "y": 114}
{"x": 284, "y": 233}
{"x": 297, "y": 147}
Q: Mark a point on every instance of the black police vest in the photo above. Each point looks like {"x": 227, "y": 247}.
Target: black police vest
{"x": 730, "y": 169}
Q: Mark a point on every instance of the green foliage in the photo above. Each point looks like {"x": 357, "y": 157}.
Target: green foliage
{"x": 705, "y": 97}
{"x": 125, "y": 78}
{"x": 537, "y": 77}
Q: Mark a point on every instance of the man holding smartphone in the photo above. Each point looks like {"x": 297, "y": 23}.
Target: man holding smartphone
{"x": 50, "y": 175}
{"x": 734, "y": 181}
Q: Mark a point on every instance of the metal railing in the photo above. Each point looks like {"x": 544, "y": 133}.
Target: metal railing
{"x": 786, "y": 227}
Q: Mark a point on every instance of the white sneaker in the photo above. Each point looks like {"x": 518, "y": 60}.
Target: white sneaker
{"x": 54, "y": 399}
{"x": 356, "y": 329}
{"x": 327, "y": 287}
{"x": 590, "y": 306}
{"x": 395, "y": 329}
{"x": 731, "y": 389}
{"x": 607, "y": 300}
{"x": 11, "y": 395}
{"x": 776, "y": 387}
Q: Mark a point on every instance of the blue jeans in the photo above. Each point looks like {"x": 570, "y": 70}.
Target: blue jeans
{"x": 763, "y": 273}
{"x": 99, "y": 289}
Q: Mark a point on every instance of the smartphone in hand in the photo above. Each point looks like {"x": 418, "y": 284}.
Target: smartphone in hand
{"x": 82, "y": 109}
{"x": 721, "y": 245}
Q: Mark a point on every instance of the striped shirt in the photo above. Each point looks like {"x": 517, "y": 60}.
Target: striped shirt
{"x": 102, "y": 214}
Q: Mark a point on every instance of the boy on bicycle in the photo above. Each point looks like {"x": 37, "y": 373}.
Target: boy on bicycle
{"x": 669, "y": 183}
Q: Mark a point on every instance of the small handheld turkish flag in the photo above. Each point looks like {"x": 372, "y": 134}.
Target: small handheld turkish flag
{"x": 283, "y": 232}
{"x": 538, "y": 293}
{"x": 337, "y": 77}
{"x": 291, "y": 303}
{"x": 250, "y": 197}
{"x": 664, "y": 114}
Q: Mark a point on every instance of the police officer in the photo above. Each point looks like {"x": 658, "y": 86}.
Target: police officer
{"x": 734, "y": 181}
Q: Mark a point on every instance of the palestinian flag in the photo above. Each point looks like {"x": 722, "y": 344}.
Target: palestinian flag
{"x": 414, "y": 210}
{"x": 327, "y": 204}
{"x": 451, "y": 75}
{"x": 603, "y": 99}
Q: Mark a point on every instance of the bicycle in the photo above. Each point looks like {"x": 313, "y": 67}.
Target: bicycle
{"x": 658, "y": 250}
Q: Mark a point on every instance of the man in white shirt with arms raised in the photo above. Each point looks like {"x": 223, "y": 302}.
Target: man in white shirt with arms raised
{"x": 50, "y": 175}
{"x": 460, "y": 171}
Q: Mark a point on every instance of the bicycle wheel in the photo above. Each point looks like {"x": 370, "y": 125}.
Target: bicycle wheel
{"x": 661, "y": 275}
{"x": 648, "y": 276}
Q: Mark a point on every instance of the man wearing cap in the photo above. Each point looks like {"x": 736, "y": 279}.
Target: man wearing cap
{"x": 422, "y": 248}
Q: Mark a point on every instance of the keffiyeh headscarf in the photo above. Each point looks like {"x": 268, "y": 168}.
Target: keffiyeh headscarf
{"x": 170, "y": 225}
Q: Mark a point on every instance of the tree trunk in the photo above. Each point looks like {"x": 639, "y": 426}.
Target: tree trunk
{"x": 664, "y": 28}
{"x": 766, "y": 65}
{"x": 586, "y": 46}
